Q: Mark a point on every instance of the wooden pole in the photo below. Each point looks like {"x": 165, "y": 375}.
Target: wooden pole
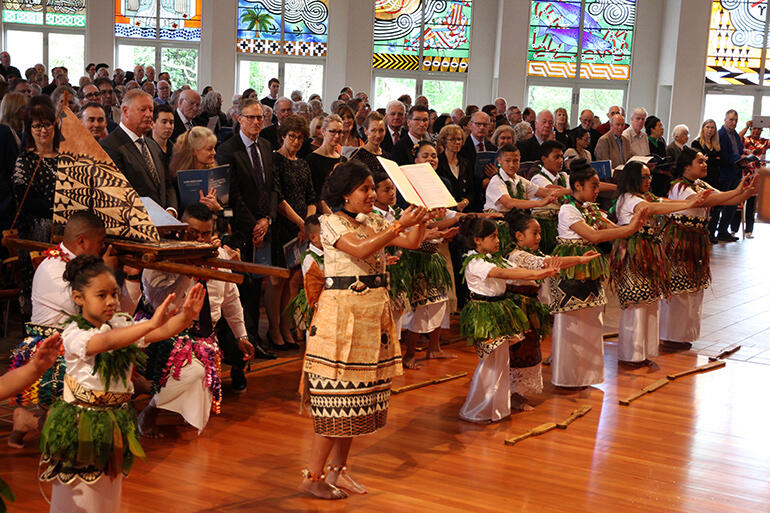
{"x": 413, "y": 386}
{"x": 538, "y": 430}
{"x": 703, "y": 368}
{"x": 576, "y": 414}
{"x": 727, "y": 352}
{"x": 180, "y": 268}
{"x": 644, "y": 391}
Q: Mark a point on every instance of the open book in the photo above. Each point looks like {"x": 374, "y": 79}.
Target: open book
{"x": 419, "y": 184}
{"x": 191, "y": 181}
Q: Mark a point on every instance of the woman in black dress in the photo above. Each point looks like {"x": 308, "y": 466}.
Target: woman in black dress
{"x": 374, "y": 127}
{"x": 297, "y": 200}
{"x": 661, "y": 174}
{"x": 454, "y": 169}
{"x": 323, "y": 160}
{"x": 708, "y": 144}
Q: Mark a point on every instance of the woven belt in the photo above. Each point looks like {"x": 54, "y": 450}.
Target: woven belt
{"x": 356, "y": 283}
{"x": 481, "y": 297}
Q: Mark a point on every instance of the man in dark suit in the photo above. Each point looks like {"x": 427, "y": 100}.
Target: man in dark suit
{"x": 418, "y": 126}
{"x": 139, "y": 157}
{"x": 394, "y": 125}
{"x": 187, "y": 110}
{"x": 272, "y": 85}
{"x": 281, "y": 111}
{"x": 530, "y": 149}
{"x": 477, "y": 140}
{"x": 254, "y": 199}
{"x": 731, "y": 143}
{"x": 586, "y": 121}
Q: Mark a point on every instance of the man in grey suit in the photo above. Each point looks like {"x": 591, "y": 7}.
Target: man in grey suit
{"x": 139, "y": 157}
{"x": 613, "y": 146}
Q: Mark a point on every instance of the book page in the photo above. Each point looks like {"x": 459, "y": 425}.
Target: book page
{"x": 401, "y": 182}
{"x": 429, "y": 186}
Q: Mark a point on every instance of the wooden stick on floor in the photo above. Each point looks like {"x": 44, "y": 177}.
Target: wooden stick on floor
{"x": 644, "y": 391}
{"x": 703, "y": 368}
{"x": 436, "y": 381}
{"x": 732, "y": 349}
{"x": 548, "y": 426}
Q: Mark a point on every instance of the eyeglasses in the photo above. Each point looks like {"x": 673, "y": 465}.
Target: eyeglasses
{"x": 93, "y": 95}
{"x": 334, "y": 132}
{"x": 253, "y": 117}
{"x": 294, "y": 137}
{"x": 41, "y": 126}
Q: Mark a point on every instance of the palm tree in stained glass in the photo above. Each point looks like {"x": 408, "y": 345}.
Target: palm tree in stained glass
{"x": 260, "y": 22}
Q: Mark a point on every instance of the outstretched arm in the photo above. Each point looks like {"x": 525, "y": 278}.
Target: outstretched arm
{"x": 351, "y": 244}
{"x": 173, "y": 325}
{"x": 595, "y": 236}
{"x": 13, "y": 382}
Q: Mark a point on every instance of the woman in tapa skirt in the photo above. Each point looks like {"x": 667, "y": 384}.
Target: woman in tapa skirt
{"x": 352, "y": 351}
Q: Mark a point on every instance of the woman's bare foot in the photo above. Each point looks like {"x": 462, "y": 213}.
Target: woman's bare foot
{"x": 345, "y": 481}
{"x": 410, "y": 362}
{"x": 439, "y": 355}
{"x": 322, "y": 489}
{"x": 147, "y": 421}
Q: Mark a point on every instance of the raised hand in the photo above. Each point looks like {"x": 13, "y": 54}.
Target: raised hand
{"x": 163, "y": 313}
{"x": 413, "y": 215}
{"x": 210, "y": 200}
{"x": 46, "y": 352}
{"x": 194, "y": 301}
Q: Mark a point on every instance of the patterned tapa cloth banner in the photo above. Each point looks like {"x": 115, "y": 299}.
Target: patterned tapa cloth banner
{"x": 87, "y": 179}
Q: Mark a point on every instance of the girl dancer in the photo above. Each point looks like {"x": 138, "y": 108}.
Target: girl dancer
{"x": 685, "y": 241}
{"x": 352, "y": 351}
{"x": 577, "y": 295}
{"x": 90, "y": 437}
{"x": 639, "y": 266}
{"x": 491, "y": 320}
{"x": 526, "y": 373}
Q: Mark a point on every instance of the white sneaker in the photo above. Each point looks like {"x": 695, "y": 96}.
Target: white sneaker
{"x": 748, "y": 235}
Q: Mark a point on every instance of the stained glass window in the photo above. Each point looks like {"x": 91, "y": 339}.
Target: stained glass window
{"x": 601, "y": 47}
{"x": 176, "y": 20}
{"x": 736, "y": 42}
{"x": 276, "y": 27}
{"x": 60, "y": 13}
{"x": 427, "y": 35}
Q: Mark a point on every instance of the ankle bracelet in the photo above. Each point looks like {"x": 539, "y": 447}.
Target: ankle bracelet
{"x": 312, "y": 477}
{"x": 336, "y": 468}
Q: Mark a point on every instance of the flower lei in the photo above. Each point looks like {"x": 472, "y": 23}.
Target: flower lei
{"x": 56, "y": 252}
{"x": 590, "y": 211}
{"x": 696, "y": 185}
{"x": 113, "y": 364}
{"x": 521, "y": 191}
{"x": 207, "y": 352}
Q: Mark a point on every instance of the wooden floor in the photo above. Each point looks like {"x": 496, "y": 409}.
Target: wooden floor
{"x": 700, "y": 444}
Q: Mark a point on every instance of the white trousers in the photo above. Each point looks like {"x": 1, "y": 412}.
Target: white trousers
{"x": 189, "y": 396}
{"x": 577, "y": 358}
{"x": 103, "y": 496}
{"x": 680, "y": 317}
{"x": 638, "y": 332}
{"x": 489, "y": 396}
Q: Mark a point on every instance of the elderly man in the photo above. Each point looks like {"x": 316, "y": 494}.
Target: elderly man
{"x": 60, "y": 78}
{"x": 456, "y": 115}
{"x": 731, "y": 143}
{"x": 118, "y": 77}
{"x": 6, "y": 70}
{"x": 681, "y": 137}
{"x": 513, "y": 115}
{"x": 418, "y": 127}
{"x": 394, "y": 123}
{"x": 636, "y": 135}
{"x": 149, "y": 74}
{"x": 94, "y": 119}
{"x": 501, "y": 107}
{"x": 361, "y": 109}
{"x": 20, "y": 85}
{"x": 184, "y": 116}
{"x": 90, "y": 93}
{"x": 586, "y": 122}
{"x": 613, "y": 146}
{"x": 139, "y": 73}
{"x": 613, "y": 111}
{"x": 282, "y": 110}
{"x": 296, "y": 96}
{"x": 477, "y": 140}
{"x": 149, "y": 88}
{"x": 362, "y": 96}
{"x": 530, "y": 149}
{"x": 138, "y": 157}
{"x": 102, "y": 70}
{"x": 164, "y": 92}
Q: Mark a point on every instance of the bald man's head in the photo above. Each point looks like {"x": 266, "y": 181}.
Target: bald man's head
{"x": 84, "y": 234}
{"x": 190, "y": 104}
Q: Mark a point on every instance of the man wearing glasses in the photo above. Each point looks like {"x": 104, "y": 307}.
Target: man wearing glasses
{"x": 107, "y": 99}
{"x": 254, "y": 199}
{"x": 477, "y": 140}
{"x": 586, "y": 122}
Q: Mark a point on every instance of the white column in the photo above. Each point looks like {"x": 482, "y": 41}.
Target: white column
{"x": 642, "y": 88}
{"x": 337, "y": 49}
{"x": 217, "y": 57}
{"x": 360, "y": 45}
{"x": 100, "y": 33}
{"x": 483, "y": 51}
{"x": 512, "y": 44}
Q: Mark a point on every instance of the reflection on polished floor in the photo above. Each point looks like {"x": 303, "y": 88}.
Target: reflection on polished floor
{"x": 699, "y": 444}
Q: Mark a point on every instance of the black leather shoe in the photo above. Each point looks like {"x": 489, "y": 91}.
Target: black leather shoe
{"x": 262, "y": 353}
{"x": 238, "y": 380}
{"x": 726, "y": 237}
{"x": 713, "y": 239}
{"x": 279, "y": 347}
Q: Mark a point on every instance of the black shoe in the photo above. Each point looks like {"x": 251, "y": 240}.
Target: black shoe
{"x": 292, "y": 346}
{"x": 238, "y": 380}
{"x": 279, "y": 347}
{"x": 713, "y": 239}
{"x": 726, "y": 237}
{"x": 262, "y": 353}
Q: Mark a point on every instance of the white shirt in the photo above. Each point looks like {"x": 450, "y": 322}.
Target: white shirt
{"x": 308, "y": 261}
{"x": 625, "y": 207}
{"x": 542, "y": 181}
{"x": 478, "y": 279}
{"x": 640, "y": 145}
{"x": 681, "y": 192}
{"x": 496, "y": 189}
{"x": 572, "y": 152}
{"x": 80, "y": 365}
{"x": 569, "y": 215}
{"x": 224, "y": 299}
{"x": 52, "y": 300}
{"x": 184, "y": 119}
{"x": 476, "y": 143}
{"x": 390, "y": 215}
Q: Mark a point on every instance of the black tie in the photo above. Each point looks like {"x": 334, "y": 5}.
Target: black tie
{"x": 259, "y": 174}
{"x": 205, "y": 324}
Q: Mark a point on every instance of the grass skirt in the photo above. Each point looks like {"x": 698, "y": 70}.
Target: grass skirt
{"x": 299, "y": 312}
{"x": 85, "y": 442}
{"x": 685, "y": 241}
{"x": 489, "y": 324}
{"x": 549, "y": 228}
{"x": 640, "y": 268}
{"x": 48, "y": 388}
{"x": 430, "y": 276}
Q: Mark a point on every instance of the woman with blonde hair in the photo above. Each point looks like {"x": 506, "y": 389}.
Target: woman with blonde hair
{"x": 12, "y": 114}
{"x": 708, "y": 144}
{"x": 327, "y": 155}
{"x": 195, "y": 150}
{"x": 456, "y": 171}
{"x": 315, "y": 137}
{"x": 504, "y": 134}
{"x": 561, "y": 125}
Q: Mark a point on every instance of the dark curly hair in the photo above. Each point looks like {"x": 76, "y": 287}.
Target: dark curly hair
{"x": 580, "y": 171}
{"x": 472, "y": 227}
{"x": 344, "y": 179}
{"x": 518, "y": 221}
{"x": 82, "y": 269}
{"x": 294, "y": 124}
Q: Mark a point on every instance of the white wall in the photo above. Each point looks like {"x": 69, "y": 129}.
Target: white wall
{"x": 217, "y": 57}
{"x": 642, "y": 88}
{"x": 512, "y": 50}
{"x": 100, "y": 38}
{"x": 484, "y": 27}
